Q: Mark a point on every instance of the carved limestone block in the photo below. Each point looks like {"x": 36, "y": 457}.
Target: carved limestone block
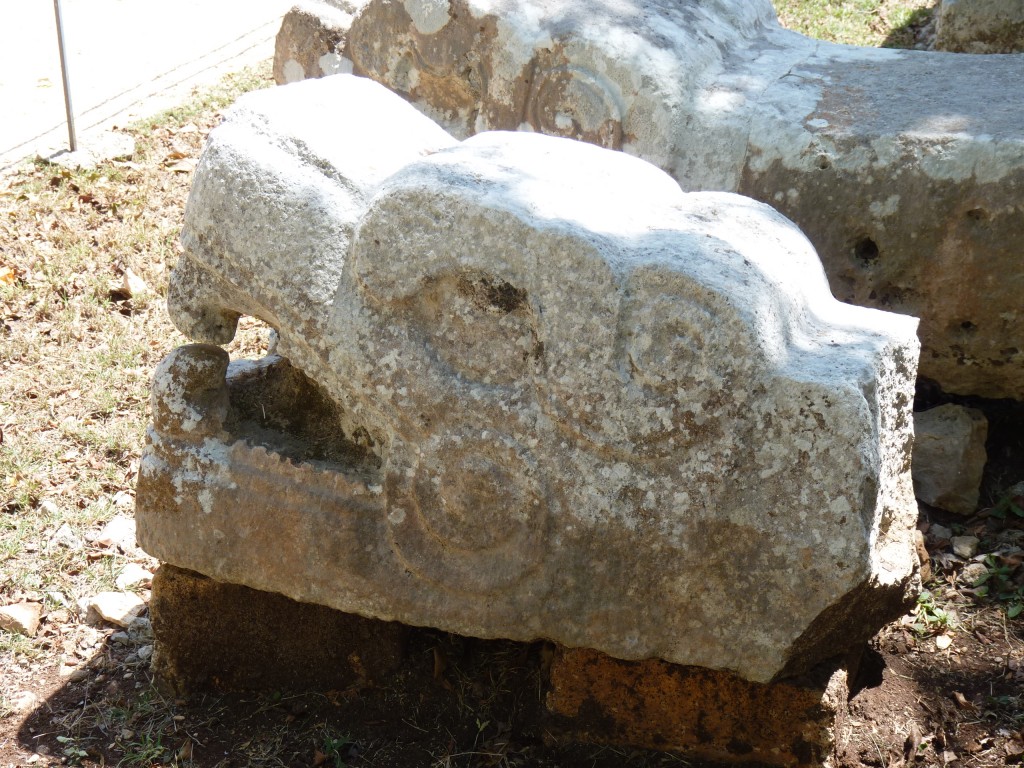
{"x": 904, "y": 168}
{"x": 551, "y": 395}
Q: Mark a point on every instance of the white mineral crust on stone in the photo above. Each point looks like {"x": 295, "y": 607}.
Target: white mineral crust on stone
{"x": 594, "y": 408}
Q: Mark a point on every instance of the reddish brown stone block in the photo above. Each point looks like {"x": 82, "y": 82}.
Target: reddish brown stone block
{"x": 701, "y": 712}
{"x": 212, "y": 635}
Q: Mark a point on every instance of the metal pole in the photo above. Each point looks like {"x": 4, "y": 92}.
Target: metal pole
{"x": 72, "y": 139}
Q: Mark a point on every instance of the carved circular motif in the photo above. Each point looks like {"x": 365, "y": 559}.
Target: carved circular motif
{"x": 472, "y": 515}
{"x": 669, "y": 341}
{"x": 665, "y": 383}
{"x": 576, "y": 103}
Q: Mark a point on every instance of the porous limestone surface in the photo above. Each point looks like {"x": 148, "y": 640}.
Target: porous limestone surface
{"x": 949, "y": 457}
{"x": 904, "y": 168}
{"x": 291, "y": 170}
{"x": 551, "y": 396}
{"x": 980, "y": 26}
{"x": 311, "y": 35}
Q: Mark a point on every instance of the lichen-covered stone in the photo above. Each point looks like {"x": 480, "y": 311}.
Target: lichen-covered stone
{"x": 548, "y": 396}
{"x": 980, "y": 26}
{"x": 904, "y": 168}
{"x": 311, "y": 39}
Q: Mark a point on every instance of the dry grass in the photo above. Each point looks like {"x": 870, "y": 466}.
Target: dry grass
{"x": 79, "y": 345}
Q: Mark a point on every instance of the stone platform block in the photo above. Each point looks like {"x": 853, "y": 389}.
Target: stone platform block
{"x": 904, "y": 168}
{"x": 215, "y": 636}
{"x": 527, "y": 388}
{"x": 701, "y": 713}
{"x": 212, "y": 636}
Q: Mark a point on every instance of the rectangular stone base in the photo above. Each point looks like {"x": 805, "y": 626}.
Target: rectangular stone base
{"x": 700, "y": 712}
{"x": 211, "y": 635}
{"x": 215, "y": 636}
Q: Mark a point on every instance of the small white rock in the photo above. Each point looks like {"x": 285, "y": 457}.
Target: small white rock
{"x": 145, "y": 652}
{"x": 940, "y": 533}
{"x": 22, "y": 618}
{"x": 972, "y": 572}
{"x": 24, "y": 701}
{"x": 116, "y": 607}
{"x": 133, "y": 285}
{"x": 965, "y": 546}
{"x": 65, "y": 537}
{"x": 119, "y": 532}
{"x": 133, "y": 575}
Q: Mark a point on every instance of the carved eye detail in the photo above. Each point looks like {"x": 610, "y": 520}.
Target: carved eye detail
{"x": 480, "y": 326}
{"x": 679, "y": 338}
{"x": 474, "y": 512}
{"x": 668, "y": 343}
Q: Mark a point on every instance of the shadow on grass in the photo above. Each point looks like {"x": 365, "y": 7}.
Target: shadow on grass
{"x": 918, "y": 29}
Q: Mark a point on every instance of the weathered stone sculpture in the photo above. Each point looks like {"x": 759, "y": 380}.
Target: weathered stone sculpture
{"x": 904, "y": 168}
{"x": 529, "y": 389}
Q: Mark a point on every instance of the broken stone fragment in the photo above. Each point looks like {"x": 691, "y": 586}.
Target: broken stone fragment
{"x": 965, "y": 546}
{"x": 527, "y": 388}
{"x": 21, "y": 618}
{"x": 118, "y": 608}
{"x": 904, "y": 168}
{"x": 119, "y": 532}
{"x": 949, "y": 457}
{"x": 133, "y": 575}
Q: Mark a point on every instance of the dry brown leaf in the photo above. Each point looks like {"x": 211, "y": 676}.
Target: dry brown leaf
{"x": 7, "y": 276}
{"x": 962, "y": 701}
{"x": 185, "y": 752}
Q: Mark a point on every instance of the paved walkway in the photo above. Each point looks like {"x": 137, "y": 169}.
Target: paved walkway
{"x": 127, "y": 59}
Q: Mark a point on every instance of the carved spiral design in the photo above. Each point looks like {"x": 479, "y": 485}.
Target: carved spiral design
{"x": 472, "y": 517}
{"x": 668, "y": 359}
{"x": 677, "y": 348}
{"x": 576, "y": 103}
